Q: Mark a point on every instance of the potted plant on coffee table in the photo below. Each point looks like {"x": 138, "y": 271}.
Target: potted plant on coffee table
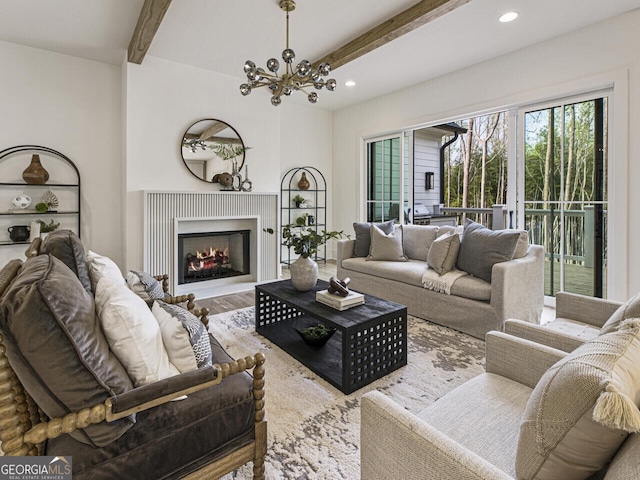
{"x": 305, "y": 242}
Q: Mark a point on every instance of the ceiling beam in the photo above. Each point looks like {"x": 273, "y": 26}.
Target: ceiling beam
{"x": 149, "y": 20}
{"x": 217, "y": 127}
{"x": 420, "y": 14}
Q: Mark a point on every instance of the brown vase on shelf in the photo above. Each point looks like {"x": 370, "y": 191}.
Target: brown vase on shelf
{"x": 35, "y": 173}
{"x": 303, "y": 184}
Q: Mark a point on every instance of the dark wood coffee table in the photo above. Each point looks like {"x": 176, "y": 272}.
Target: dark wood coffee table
{"x": 370, "y": 339}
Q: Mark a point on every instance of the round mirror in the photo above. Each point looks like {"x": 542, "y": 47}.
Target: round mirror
{"x": 211, "y": 147}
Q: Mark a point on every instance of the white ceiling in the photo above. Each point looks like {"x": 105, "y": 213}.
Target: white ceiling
{"x": 221, "y": 34}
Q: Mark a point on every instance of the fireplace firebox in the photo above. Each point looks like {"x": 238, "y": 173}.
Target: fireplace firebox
{"x": 212, "y": 255}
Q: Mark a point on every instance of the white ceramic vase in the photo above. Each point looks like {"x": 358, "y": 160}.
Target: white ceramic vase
{"x": 304, "y": 274}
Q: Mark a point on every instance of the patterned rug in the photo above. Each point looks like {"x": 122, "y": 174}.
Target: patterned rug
{"x": 314, "y": 429}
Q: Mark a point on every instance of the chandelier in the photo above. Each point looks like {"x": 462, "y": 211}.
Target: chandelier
{"x": 303, "y": 77}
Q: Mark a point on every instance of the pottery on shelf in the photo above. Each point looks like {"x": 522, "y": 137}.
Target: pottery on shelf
{"x": 21, "y": 201}
{"x": 304, "y": 274}
{"x": 303, "y": 184}
{"x": 35, "y": 173}
{"x": 19, "y": 233}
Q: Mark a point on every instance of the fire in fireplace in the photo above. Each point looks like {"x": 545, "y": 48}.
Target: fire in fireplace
{"x": 213, "y": 255}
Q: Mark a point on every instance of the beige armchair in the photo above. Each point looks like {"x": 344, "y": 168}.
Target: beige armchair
{"x": 522, "y": 419}
{"x": 579, "y": 318}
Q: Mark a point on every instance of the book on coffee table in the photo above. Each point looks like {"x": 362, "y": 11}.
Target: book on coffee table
{"x": 353, "y": 299}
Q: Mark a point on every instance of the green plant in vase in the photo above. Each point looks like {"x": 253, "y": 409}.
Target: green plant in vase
{"x": 305, "y": 242}
{"x": 299, "y": 200}
{"x": 227, "y": 151}
{"x": 48, "y": 227}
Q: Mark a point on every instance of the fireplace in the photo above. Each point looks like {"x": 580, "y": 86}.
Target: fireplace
{"x": 205, "y": 256}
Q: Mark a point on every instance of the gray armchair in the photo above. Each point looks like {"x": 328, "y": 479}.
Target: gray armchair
{"x": 499, "y": 425}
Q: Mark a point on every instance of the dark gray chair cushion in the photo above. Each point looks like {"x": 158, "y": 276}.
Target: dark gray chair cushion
{"x": 173, "y": 439}
{"x": 66, "y": 246}
{"x": 56, "y": 346}
{"x": 363, "y": 236}
{"x": 481, "y": 248}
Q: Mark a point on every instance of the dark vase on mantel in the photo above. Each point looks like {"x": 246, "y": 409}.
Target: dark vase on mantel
{"x": 35, "y": 173}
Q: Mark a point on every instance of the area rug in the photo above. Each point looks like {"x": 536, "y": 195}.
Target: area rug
{"x": 314, "y": 429}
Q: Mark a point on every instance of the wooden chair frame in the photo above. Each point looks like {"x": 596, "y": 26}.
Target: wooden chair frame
{"x": 24, "y": 427}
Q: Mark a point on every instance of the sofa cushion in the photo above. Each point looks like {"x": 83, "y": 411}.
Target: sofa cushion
{"x": 145, "y": 286}
{"x": 67, "y": 247}
{"x": 409, "y": 272}
{"x": 483, "y": 414}
{"x": 173, "y": 439}
{"x": 132, "y": 332}
{"x": 443, "y": 253}
{"x": 100, "y": 266}
{"x": 471, "y": 287}
{"x": 363, "y": 236}
{"x": 56, "y": 346}
{"x": 417, "y": 239}
{"x": 386, "y": 246}
{"x": 175, "y": 339}
{"x": 195, "y": 332}
{"x": 629, "y": 309}
{"x": 481, "y": 248}
{"x": 582, "y": 408}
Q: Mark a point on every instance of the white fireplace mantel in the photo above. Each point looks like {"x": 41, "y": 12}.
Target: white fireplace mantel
{"x": 165, "y": 212}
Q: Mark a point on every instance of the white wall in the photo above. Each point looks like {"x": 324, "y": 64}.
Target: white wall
{"x": 602, "y": 55}
{"x": 165, "y": 98}
{"x": 73, "y": 106}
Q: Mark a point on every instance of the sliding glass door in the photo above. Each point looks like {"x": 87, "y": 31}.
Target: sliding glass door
{"x": 564, "y": 147}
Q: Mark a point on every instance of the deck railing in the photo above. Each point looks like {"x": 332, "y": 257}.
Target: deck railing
{"x": 544, "y": 229}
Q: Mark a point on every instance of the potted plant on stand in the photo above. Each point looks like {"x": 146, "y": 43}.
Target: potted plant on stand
{"x": 305, "y": 242}
{"x": 299, "y": 201}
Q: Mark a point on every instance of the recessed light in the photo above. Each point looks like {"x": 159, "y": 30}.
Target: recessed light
{"x": 508, "y": 17}
{"x": 350, "y": 83}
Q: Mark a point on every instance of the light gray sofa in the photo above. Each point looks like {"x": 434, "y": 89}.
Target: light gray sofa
{"x": 532, "y": 415}
{"x": 474, "y": 306}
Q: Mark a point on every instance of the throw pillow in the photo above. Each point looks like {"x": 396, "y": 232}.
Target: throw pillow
{"x": 132, "y": 332}
{"x": 100, "y": 266}
{"x": 386, "y": 246}
{"x": 57, "y": 348}
{"x": 481, "y": 248}
{"x": 363, "y": 236}
{"x": 176, "y": 340}
{"x": 629, "y": 309}
{"x": 145, "y": 286}
{"x": 198, "y": 336}
{"x": 443, "y": 253}
{"x": 66, "y": 246}
{"x": 582, "y": 408}
{"x": 523, "y": 245}
{"x": 417, "y": 239}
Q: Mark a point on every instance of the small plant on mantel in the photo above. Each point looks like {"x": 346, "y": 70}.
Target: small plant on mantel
{"x": 227, "y": 151}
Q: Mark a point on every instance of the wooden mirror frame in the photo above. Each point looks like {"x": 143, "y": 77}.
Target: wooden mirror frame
{"x": 196, "y": 148}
